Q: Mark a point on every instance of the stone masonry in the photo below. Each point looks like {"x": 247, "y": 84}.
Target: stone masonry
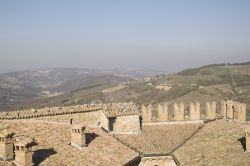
{"x": 6, "y": 145}
{"x": 179, "y": 112}
{"x": 233, "y": 110}
{"x": 147, "y": 114}
{"x": 195, "y": 111}
{"x": 210, "y": 110}
{"x": 163, "y": 112}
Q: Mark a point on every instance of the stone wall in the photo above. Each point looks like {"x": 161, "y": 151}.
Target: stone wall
{"x": 194, "y": 111}
{"x": 127, "y": 124}
{"x": 210, "y": 110}
{"x": 233, "y": 110}
{"x": 229, "y": 109}
{"x": 147, "y": 114}
{"x": 163, "y": 112}
{"x": 242, "y": 113}
{"x": 179, "y": 112}
{"x": 104, "y": 121}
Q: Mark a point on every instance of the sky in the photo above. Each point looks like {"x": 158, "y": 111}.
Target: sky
{"x": 167, "y": 35}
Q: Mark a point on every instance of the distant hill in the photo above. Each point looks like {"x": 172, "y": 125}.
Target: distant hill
{"x": 206, "y": 83}
{"x": 26, "y": 86}
{"x": 135, "y": 73}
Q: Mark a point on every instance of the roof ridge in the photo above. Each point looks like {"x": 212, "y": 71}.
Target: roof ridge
{"x": 202, "y": 126}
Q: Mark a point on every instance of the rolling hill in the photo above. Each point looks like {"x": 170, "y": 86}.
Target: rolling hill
{"x": 206, "y": 83}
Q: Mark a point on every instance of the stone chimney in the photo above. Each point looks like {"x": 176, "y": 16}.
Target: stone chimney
{"x": 78, "y": 136}
{"x": 23, "y": 151}
{"x": 247, "y": 131}
{"x": 6, "y": 145}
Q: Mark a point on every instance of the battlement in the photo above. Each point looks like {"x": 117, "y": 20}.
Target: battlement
{"x": 178, "y": 112}
{"x": 193, "y": 112}
{"x": 233, "y": 110}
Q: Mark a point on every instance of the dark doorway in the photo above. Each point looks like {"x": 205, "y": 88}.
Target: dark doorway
{"x": 111, "y": 124}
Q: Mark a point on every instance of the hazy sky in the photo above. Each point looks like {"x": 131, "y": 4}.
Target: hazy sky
{"x": 168, "y": 35}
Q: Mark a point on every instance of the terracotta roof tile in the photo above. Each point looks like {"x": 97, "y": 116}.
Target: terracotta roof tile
{"x": 22, "y": 114}
{"x": 159, "y": 138}
{"x": 120, "y": 109}
{"x": 217, "y": 143}
{"x": 53, "y": 143}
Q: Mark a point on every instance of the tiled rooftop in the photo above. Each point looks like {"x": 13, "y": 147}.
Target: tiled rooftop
{"x": 110, "y": 110}
{"x": 159, "y": 138}
{"x": 53, "y": 145}
{"x": 120, "y": 109}
{"x": 218, "y": 143}
{"x": 5, "y": 163}
{"x": 49, "y": 111}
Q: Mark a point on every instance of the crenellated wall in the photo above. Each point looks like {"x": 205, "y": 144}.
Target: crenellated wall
{"x": 147, "y": 114}
{"x": 194, "y": 111}
{"x": 163, "y": 112}
{"x": 229, "y": 109}
{"x": 179, "y": 112}
{"x": 233, "y": 110}
{"x": 210, "y": 110}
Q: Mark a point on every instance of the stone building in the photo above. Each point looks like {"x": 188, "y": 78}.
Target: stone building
{"x": 6, "y": 145}
{"x": 210, "y": 110}
{"x": 194, "y": 110}
{"x": 247, "y": 136}
{"x": 233, "y": 110}
{"x": 121, "y": 118}
{"x": 23, "y": 151}
{"x": 78, "y": 137}
{"x": 179, "y": 112}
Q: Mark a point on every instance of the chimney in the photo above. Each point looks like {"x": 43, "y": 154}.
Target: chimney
{"x": 6, "y": 145}
{"x": 78, "y": 136}
{"x": 23, "y": 151}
